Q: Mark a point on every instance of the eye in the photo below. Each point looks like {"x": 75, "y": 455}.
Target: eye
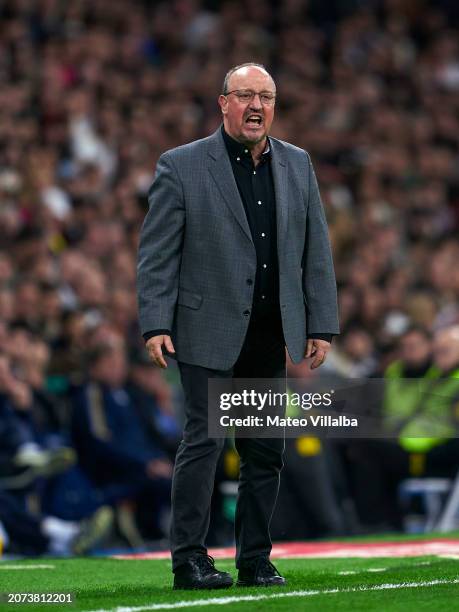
{"x": 245, "y": 97}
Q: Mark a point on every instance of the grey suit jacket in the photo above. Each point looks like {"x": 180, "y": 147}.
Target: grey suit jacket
{"x": 196, "y": 254}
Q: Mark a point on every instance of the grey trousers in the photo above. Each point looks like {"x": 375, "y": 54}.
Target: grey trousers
{"x": 262, "y": 356}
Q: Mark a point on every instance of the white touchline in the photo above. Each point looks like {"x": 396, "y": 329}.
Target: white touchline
{"x": 25, "y": 567}
{"x": 214, "y": 601}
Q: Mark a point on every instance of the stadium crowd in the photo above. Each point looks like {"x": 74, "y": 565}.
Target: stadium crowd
{"x": 91, "y": 93}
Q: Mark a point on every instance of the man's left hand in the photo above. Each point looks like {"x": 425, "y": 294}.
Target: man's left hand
{"x": 318, "y": 349}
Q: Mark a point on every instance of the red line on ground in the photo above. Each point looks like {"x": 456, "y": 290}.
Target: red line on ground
{"x": 287, "y": 550}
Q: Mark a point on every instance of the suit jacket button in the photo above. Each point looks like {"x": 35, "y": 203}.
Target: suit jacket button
{"x": 249, "y": 281}
{"x": 246, "y": 313}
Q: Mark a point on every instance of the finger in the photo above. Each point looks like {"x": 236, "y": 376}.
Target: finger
{"x": 161, "y": 361}
{"x": 319, "y": 360}
{"x": 155, "y": 352}
{"x": 158, "y": 356}
{"x": 168, "y": 344}
{"x": 151, "y": 352}
{"x": 309, "y": 347}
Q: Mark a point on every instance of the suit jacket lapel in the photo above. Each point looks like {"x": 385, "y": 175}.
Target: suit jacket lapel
{"x": 280, "y": 177}
{"x": 222, "y": 173}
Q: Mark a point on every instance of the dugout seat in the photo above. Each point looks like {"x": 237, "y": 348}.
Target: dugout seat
{"x": 440, "y": 499}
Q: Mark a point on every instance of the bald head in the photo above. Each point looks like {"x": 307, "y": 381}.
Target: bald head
{"x": 244, "y": 71}
{"x": 446, "y": 348}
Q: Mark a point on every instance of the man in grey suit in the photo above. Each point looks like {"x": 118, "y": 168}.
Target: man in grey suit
{"x": 234, "y": 265}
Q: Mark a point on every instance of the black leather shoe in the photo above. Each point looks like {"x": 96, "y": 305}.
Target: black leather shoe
{"x": 259, "y": 572}
{"x": 199, "y": 572}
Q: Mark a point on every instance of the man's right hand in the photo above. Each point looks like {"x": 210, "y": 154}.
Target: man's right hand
{"x": 155, "y": 349}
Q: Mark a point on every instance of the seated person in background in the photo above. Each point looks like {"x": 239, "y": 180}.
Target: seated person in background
{"x": 115, "y": 449}
{"x": 414, "y": 363}
{"x": 49, "y": 415}
{"x": 153, "y": 398}
{"x": 308, "y": 459}
{"x": 421, "y": 417}
{"x": 25, "y": 533}
{"x": 22, "y": 456}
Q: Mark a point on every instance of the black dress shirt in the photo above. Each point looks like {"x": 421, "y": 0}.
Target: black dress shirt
{"x": 256, "y": 188}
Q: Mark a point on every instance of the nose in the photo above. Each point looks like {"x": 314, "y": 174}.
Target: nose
{"x": 256, "y": 104}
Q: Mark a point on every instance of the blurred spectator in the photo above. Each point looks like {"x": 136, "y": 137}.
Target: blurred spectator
{"x": 120, "y": 448}
{"x": 358, "y": 358}
{"x": 26, "y": 533}
{"x": 421, "y": 423}
{"x": 316, "y": 461}
{"x": 154, "y": 400}
{"x": 23, "y": 456}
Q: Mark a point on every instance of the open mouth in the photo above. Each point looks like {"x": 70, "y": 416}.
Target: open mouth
{"x": 254, "y": 120}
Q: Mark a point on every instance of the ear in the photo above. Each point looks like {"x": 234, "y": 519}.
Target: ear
{"x": 223, "y": 103}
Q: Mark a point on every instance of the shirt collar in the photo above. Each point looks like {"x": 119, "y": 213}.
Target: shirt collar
{"x": 237, "y": 149}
